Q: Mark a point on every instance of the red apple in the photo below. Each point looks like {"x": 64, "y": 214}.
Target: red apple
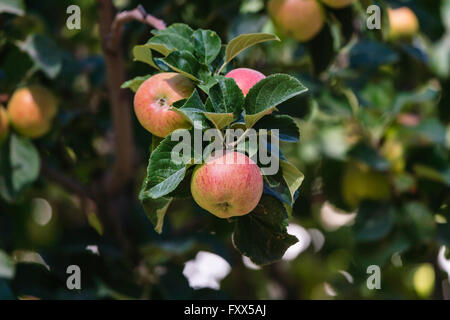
{"x": 153, "y": 100}
{"x": 402, "y": 22}
{"x": 245, "y": 78}
{"x": 31, "y": 110}
{"x": 299, "y": 19}
{"x": 228, "y": 184}
{"x": 4, "y": 123}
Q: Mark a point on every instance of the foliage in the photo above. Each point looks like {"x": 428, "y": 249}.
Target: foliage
{"x": 372, "y": 101}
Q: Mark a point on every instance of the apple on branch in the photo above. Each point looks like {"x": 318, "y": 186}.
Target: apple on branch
{"x": 228, "y": 184}
{"x": 31, "y": 110}
{"x": 154, "y": 98}
{"x": 245, "y": 78}
{"x": 299, "y": 19}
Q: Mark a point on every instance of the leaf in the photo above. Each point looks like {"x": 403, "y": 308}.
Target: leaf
{"x": 163, "y": 174}
{"x": 244, "y": 41}
{"x": 134, "y": 83}
{"x": 45, "y": 54}
{"x": 369, "y": 54}
{"x": 225, "y": 97}
{"x": 419, "y": 220}
{"x": 374, "y": 221}
{"x": 143, "y": 54}
{"x": 193, "y": 110}
{"x": 261, "y": 235}
{"x": 267, "y": 93}
{"x": 178, "y": 36}
{"x": 156, "y": 211}
{"x": 220, "y": 120}
{"x": 19, "y": 165}
{"x": 292, "y": 176}
{"x": 186, "y": 64}
{"x": 370, "y": 156}
{"x": 158, "y": 47}
{"x": 7, "y": 267}
{"x": 16, "y": 7}
{"x": 288, "y": 129}
{"x": 207, "y": 45}
{"x": 441, "y": 175}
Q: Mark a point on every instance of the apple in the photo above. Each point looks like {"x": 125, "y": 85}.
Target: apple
{"x": 154, "y": 98}
{"x": 4, "y": 123}
{"x": 337, "y": 3}
{"x": 245, "y": 78}
{"x": 403, "y": 22}
{"x": 361, "y": 182}
{"x": 299, "y": 19}
{"x": 31, "y": 110}
{"x": 228, "y": 184}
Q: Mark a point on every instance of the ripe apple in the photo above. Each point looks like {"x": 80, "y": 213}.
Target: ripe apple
{"x": 360, "y": 182}
{"x": 31, "y": 110}
{"x": 299, "y": 19}
{"x": 228, "y": 184}
{"x": 402, "y": 22}
{"x": 337, "y": 3}
{"x": 4, "y": 123}
{"x": 153, "y": 100}
{"x": 245, "y": 78}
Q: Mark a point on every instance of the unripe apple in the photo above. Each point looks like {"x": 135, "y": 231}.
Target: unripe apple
{"x": 360, "y": 182}
{"x": 31, "y": 110}
{"x": 337, "y": 3}
{"x": 245, "y": 78}
{"x": 228, "y": 184}
{"x": 402, "y": 22}
{"x": 4, "y": 123}
{"x": 299, "y": 19}
{"x": 153, "y": 100}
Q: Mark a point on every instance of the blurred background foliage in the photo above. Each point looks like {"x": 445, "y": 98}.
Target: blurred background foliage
{"x": 374, "y": 148}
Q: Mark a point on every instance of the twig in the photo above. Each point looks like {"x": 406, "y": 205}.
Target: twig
{"x": 138, "y": 14}
{"x": 67, "y": 182}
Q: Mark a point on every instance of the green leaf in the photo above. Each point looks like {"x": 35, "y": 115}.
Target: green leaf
{"x": 185, "y": 63}
{"x": 163, "y": 174}
{"x": 220, "y": 120}
{"x": 374, "y": 221}
{"x": 156, "y": 210}
{"x": 45, "y": 54}
{"x": 16, "y": 7}
{"x": 193, "y": 110}
{"x": 441, "y": 175}
{"x": 134, "y": 83}
{"x": 292, "y": 176}
{"x": 288, "y": 129}
{"x": 225, "y": 97}
{"x": 419, "y": 220}
{"x": 368, "y": 155}
{"x": 269, "y": 92}
{"x": 143, "y": 54}
{"x": 261, "y": 235}
{"x": 244, "y": 41}
{"x": 207, "y": 45}
{"x": 158, "y": 47}
{"x": 19, "y": 166}
{"x": 7, "y": 267}
{"x": 175, "y": 37}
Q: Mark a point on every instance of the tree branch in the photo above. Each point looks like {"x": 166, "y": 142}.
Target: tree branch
{"x": 138, "y": 14}
{"x": 121, "y": 172}
{"x": 67, "y": 182}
